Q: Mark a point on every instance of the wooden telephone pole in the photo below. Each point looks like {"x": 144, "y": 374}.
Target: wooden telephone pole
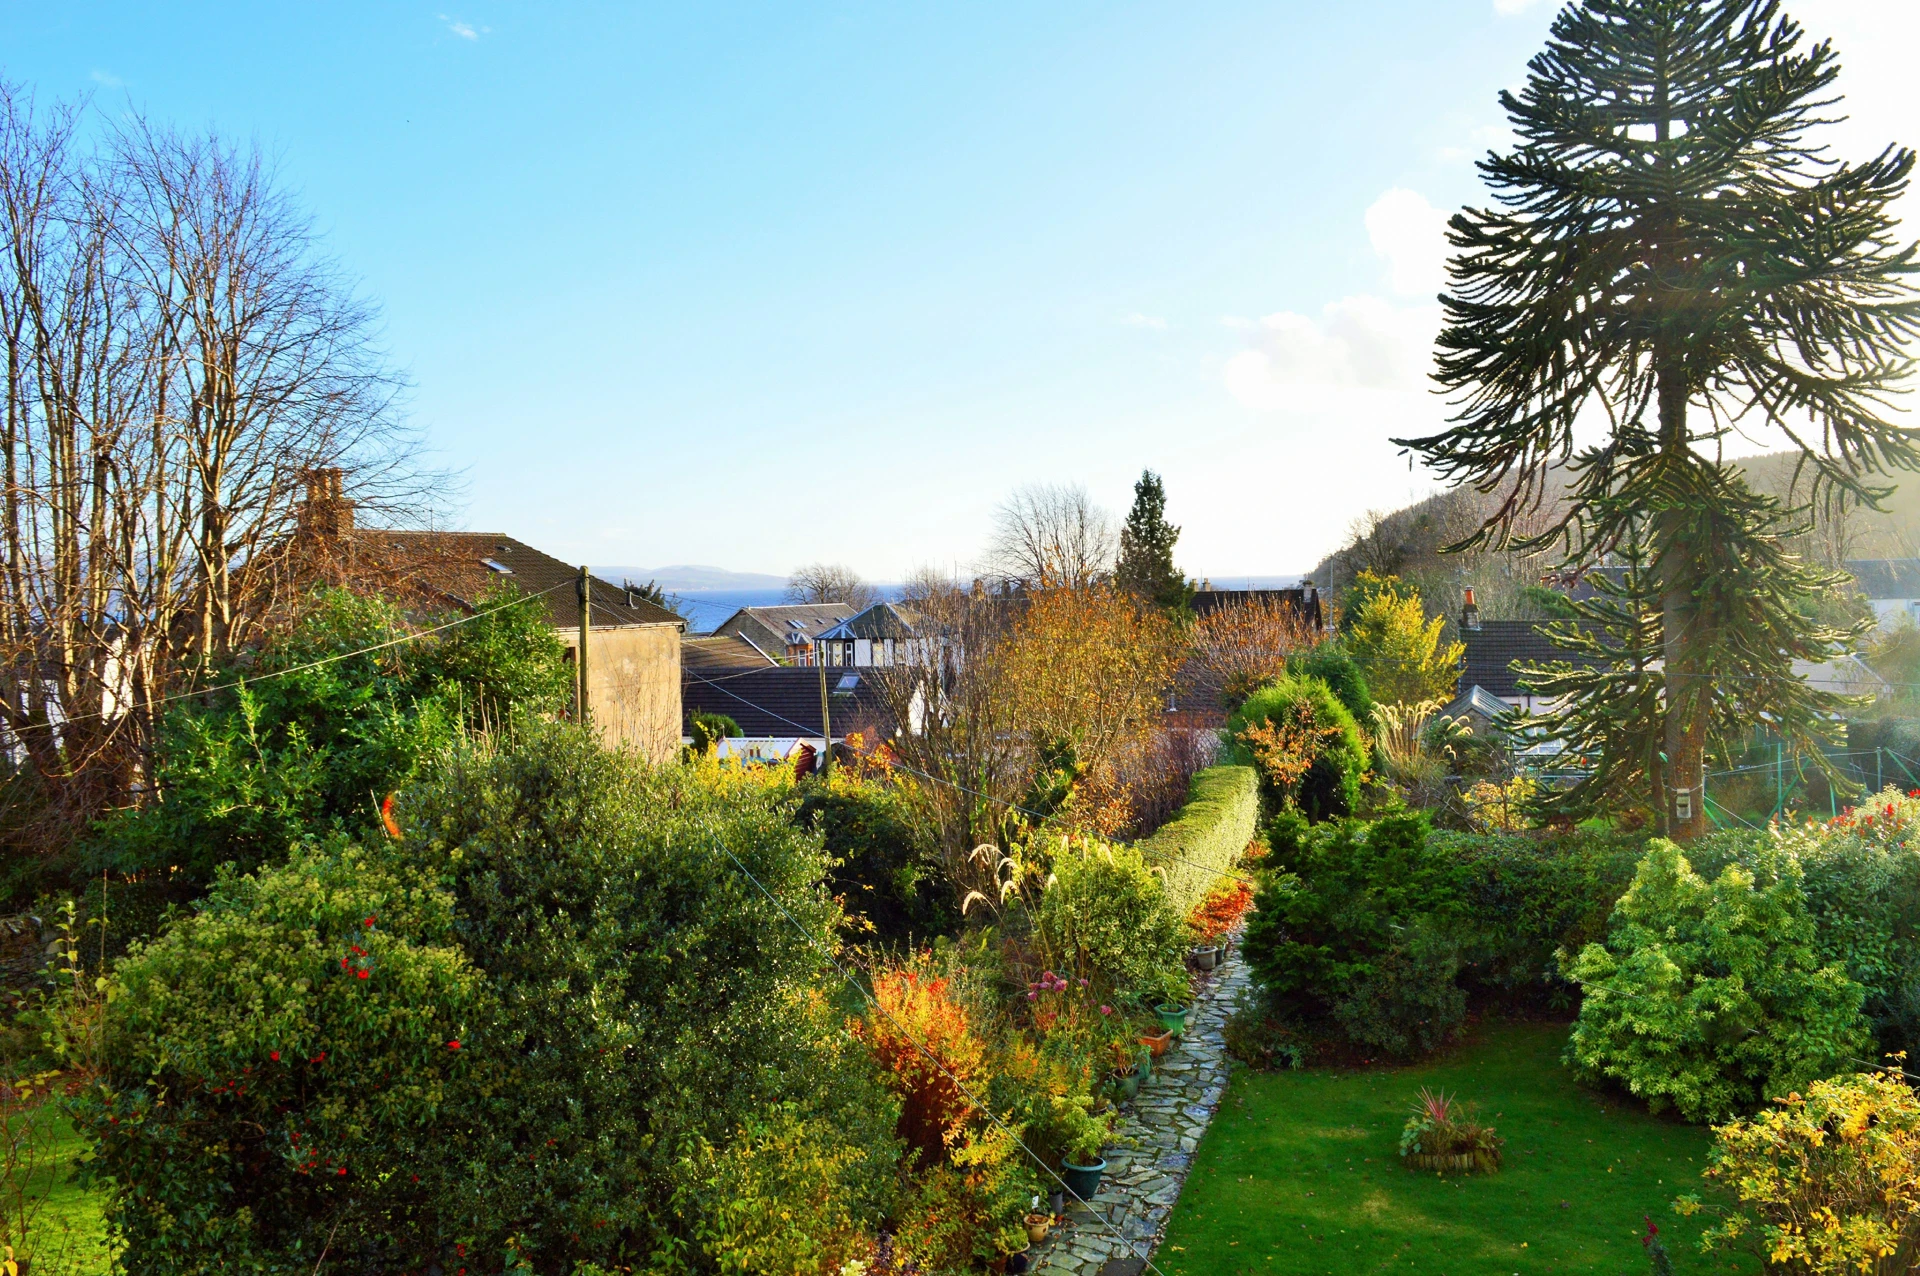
{"x": 826, "y": 722}
{"x": 585, "y": 590}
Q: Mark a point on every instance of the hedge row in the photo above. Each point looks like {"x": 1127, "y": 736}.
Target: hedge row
{"x": 1204, "y": 838}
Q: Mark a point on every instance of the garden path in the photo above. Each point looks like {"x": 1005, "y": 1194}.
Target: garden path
{"x": 1162, "y": 1127}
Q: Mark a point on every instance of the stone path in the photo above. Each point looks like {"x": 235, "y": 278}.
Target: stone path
{"x": 1163, "y": 1127}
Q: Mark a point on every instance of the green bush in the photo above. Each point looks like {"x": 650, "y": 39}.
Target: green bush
{"x": 1331, "y": 784}
{"x": 293, "y": 749}
{"x": 1334, "y": 665}
{"x": 1360, "y": 925}
{"x": 1207, "y": 836}
{"x": 1710, "y": 996}
{"x": 628, "y": 1006}
{"x": 1105, "y": 916}
{"x": 708, "y": 729}
{"x": 886, "y": 870}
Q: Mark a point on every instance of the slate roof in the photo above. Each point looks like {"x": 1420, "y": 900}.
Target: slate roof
{"x": 769, "y": 626}
{"x": 783, "y": 700}
{"x": 457, "y": 567}
{"x": 882, "y": 620}
{"x": 721, "y": 654}
{"x": 1495, "y": 647}
{"x": 1304, "y": 601}
{"x": 1886, "y": 577}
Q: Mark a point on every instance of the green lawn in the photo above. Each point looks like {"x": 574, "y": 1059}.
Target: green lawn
{"x": 1300, "y": 1172}
{"x": 68, "y": 1236}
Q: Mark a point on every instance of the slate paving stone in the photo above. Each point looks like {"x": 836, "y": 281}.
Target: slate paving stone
{"x": 1163, "y": 1125}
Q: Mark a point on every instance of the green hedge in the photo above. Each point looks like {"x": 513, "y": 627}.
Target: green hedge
{"x": 1202, "y": 841}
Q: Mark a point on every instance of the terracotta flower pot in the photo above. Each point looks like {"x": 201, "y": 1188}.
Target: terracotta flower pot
{"x": 1158, "y": 1043}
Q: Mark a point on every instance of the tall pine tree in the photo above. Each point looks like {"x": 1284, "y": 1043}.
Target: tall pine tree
{"x": 1146, "y": 549}
{"x": 1670, "y": 254}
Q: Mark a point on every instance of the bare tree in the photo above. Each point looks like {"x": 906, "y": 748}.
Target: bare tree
{"x": 1050, "y": 535}
{"x": 178, "y": 358}
{"x": 830, "y": 583}
{"x": 1235, "y": 649}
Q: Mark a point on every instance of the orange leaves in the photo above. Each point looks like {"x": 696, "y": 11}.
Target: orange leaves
{"x": 912, "y": 1011}
{"x": 1220, "y": 910}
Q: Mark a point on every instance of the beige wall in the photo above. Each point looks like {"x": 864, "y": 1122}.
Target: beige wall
{"x": 633, "y": 686}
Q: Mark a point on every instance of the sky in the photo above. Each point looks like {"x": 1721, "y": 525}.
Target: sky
{"x": 762, "y": 285}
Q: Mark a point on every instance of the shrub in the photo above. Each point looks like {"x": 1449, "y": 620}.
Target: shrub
{"x": 1306, "y": 745}
{"x": 571, "y": 989}
{"x": 1828, "y": 1183}
{"x": 269, "y": 761}
{"x": 1106, "y": 917}
{"x": 1220, "y": 911}
{"x": 1333, "y": 664}
{"x": 930, "y": 1054}
{"x": 1708, "y": 997}
{"x": 885, "y": 869}
{"x": 1202, "y": 842}
{"x": 707, "y": 730}
{"x": 1398, "y": 649}
{"x": 1360, "y": 924}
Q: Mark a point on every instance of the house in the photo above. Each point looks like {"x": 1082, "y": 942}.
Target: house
{"x": 633, "y": 644}
{"x": 777, "y": 705}
{"x": 787, "y": 632}
{"x": 881, "y": 635}
{"x": 1890, "y": 585}
{"x": 1304, "y": 602}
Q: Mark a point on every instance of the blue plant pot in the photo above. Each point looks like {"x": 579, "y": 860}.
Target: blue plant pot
{"x": 1083, "y": 1181}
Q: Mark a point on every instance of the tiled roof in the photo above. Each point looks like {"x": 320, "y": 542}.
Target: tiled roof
{"x": 882, "y": 620}
{"x": 783, "y": 700}
{"x": 771, "y": 625}
{"x": 457, "y": 567}
{"x": 1495, "y": 647}
{"x": 1887, "y": 577}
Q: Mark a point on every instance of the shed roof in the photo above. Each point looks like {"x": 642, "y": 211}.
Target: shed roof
{"x": 783, "y": 700}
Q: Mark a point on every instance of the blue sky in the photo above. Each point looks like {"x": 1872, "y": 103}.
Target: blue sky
{"x": 760, "y": 285}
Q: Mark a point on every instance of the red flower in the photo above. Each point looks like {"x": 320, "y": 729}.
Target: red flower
{"x": 275, "y": 1056}
{"x": 319, "y": 1058}
{"x": 453, "y": 1045}
{"x": 341, "y": 1171}
{"x": 369, "y": 921}
{"x": 363, "y": 973}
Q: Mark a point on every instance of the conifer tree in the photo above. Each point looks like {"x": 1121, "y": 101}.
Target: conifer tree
{"x": 1146, "y": 549}
{"x": 1670, "y": 254}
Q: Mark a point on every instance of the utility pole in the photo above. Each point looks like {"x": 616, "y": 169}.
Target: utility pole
{"x": 826, "y": 722}
{"x": 585, "y": 589}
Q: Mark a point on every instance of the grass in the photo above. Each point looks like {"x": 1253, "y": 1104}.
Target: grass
{"x": 68, "y": 1236}
{"x": 1300, "y": 1173}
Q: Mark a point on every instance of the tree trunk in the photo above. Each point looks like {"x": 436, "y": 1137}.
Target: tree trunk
{"x": 1684, "y": 801}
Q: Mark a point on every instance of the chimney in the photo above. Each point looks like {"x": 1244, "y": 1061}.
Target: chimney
{"x": 1469, "y": 614}
{"x": 327, "y": 511}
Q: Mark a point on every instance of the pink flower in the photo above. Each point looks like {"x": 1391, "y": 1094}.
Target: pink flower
{"x": 1046, "y": 976}
{"x": 1083, "y": 983}
{"x": 1033, "y": 996}
{"x": 1106, "y": 1010}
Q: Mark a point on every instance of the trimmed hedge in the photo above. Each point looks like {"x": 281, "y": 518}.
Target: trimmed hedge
{"x": 1204, "y": 838}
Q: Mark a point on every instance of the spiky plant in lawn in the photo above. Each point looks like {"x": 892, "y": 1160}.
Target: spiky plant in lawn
{"x": 1670, "y": 252}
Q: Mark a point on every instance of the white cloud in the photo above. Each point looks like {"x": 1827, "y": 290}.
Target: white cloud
{"x": 465, "y": 30}
{"x": 1358, "y": 348}
{"x": 1138, "y": 320}
{"x": 1411, "y": 234}
{"x": 107, "y": 78}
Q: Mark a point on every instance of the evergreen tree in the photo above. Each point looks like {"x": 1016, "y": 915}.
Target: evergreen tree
{"x": 1146, "y": 549}
{"x": 1669, "y": 253}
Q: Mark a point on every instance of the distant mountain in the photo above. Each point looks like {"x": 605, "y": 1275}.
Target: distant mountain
{"x": 691, "y": 577}
{"x": 1250, "y": 582}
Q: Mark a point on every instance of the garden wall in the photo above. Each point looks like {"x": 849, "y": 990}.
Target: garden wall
{"x": 1202, "y": 841}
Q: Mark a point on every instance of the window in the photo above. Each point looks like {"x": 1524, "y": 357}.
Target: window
{"x": 495, "y": 565}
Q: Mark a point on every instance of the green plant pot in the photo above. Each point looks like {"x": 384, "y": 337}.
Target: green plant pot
{"x": 1173, "y": 1018}
{"x": 1126, "y": 1085}
{"x": 1083, "y": 1181}
{"x": 1146, "y": 1065}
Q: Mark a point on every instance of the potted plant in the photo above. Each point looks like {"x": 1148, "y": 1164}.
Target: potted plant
{"x": 1038, "y": 1225}
{"x": 1124, "y": 1083}
{"x": 1173, "y": 1016}
{"x": 1081, "y": 1168}
{"x": 1010, "y": 1244}
{"x": 1146, "y": 1064}
{"x": 1204, "y": 956}
{"x": 1444, "y": 1135}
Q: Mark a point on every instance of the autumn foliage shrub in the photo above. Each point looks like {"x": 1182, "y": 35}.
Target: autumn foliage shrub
{"x": 1221, "y": 910}
{"x": 1306, "y": 745}
{"x": 1826, "y": 1183}
{"x": 931, "y": 1056}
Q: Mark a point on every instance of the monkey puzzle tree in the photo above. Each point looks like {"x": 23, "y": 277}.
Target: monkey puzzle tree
{"x": 1669, "y": 257}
